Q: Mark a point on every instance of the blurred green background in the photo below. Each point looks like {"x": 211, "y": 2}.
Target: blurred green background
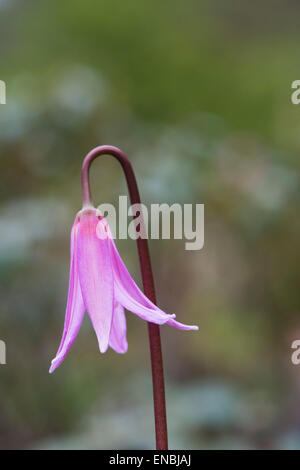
{"x": 197, "y": 93}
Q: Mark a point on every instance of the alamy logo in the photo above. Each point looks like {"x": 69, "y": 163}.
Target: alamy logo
{"x": 2, "y": 92}
{"x": 188, "y": 222}
{"x": 2, "y": 352}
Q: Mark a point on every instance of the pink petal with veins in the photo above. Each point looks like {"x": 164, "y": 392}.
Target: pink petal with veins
{"x": 117, "y": 337}
{"x": 96, "y": 276}
{"x": 146, "y": 313}
{"x": 136, "y": 296}
{"x": 124, "y": 277}
{"x": 75, "y": 307}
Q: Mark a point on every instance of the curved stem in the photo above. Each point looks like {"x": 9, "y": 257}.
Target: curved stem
{"x": 148, "y": 284}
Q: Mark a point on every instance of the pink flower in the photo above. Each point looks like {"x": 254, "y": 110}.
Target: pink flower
{"x": 101, "y": 285}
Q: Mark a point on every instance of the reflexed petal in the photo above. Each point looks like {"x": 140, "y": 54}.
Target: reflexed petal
{"x": 95, "y": 275}
{"x": 117, "y": 337}
{"x": 181, "y": 326}
{"x": 124, "y": 279}
{"x": 75, "y": 306}
{"x": 146, "y": 313}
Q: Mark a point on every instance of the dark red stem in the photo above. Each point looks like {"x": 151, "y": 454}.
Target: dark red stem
{"x": 148, "y": 284}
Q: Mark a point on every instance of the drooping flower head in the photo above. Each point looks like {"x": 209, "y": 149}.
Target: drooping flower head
{"x": 101, "y": 285}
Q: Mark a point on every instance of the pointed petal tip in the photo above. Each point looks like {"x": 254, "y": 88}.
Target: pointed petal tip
{"x": 103, "y": 348}
{"x": 55, "y": 363}
{"x": 181, "y": 326}
{"x": 122, "y": 350}
{"x": 124, "y": 347}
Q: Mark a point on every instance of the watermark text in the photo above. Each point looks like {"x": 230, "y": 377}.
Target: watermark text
{"x": 161, "y": 221}
{"x": 2, "y": 352}
{"x": 2, "y": 92}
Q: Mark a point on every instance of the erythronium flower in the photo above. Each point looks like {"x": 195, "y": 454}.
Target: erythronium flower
{"x": 101, "y": 285}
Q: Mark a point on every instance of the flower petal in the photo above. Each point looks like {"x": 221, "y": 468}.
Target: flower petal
{"x": 75, "y": 306}
{"x": 124, "y": 280}
{"x": 95, "y": 275}
{"x": 122, "y": 274}
{"x": 117, "y": 337}
{"x": 146, "y": 313}
{"x": 131, "y": 296}
{"x": 181, "y": 326}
